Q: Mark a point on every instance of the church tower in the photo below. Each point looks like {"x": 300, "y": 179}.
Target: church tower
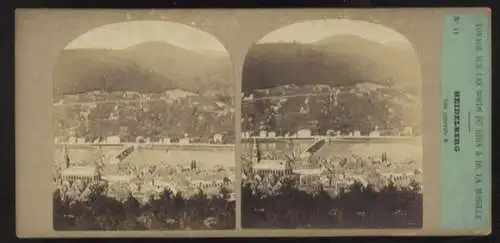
{"x": 65, "y": 161}
{"x": 255, "y": 152}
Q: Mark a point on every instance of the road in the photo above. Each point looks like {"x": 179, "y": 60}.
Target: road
{"x": 187, "y": 147}
{"x": 105, "y": 102}
{"x": 336, "y": 138}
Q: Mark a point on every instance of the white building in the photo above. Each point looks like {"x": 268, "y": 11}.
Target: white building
{"x": 165, "y": 141}
{"x": 308, "y": 176}
{"x": 408, "y": 131}
{"x": 113, "y": 116}
{"x": 263, "y": 134}
{"x": 250, "y": 97}
{"x": 266, "y": 167}
{"x": 113, "y": 140}
{"x": 399, "y": 179}
{"x": 197, "y": 183}
{"x": 271, "y": 134}
{"x": 375, "y": 132}
{"x": 184, "y": 141}
{"x": 85, "y": 174}
{"x": 304, "y": 133}
{"x": 218, "y": 138}
{"x": 357, "y": 133}
{"x": 204, "y": 184}
{"x": 80, "y": 140}
{"x": 331, "y": 132}
{"x": 72, "y": 140}
{"x": 348, "y": 180}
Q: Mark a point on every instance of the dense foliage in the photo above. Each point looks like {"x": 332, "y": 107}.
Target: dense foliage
{"x": 145, "y": 67}
{"x": 165, "y": 212}
{"x": 344, "y": 111}
{"x": 337, "y": 61}
{"x": 356, "y": 207}
{"x": 152, "y": 119}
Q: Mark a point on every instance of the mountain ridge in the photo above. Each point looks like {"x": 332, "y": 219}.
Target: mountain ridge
{"x": 145, "y": 67}
{"x": 336, "y": 60}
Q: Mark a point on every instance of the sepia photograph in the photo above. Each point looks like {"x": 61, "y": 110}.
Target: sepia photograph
{"x": 331, "y": 128}
{"x": 310, "y": 122}
{"x": 144, "y": 130}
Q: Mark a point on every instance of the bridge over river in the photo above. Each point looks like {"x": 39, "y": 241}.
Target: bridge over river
{"x": 207, "y": 155}
{"x": 397, "y": 147}
{"x": 183, "y": 147}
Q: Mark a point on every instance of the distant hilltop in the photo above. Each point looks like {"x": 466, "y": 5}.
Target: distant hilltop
{"x": 146, "y": 67}
{"x": 338, "y": 61}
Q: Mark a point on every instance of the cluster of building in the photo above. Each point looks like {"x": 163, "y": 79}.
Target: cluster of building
{"x": 85, "y": 174}
{"x": 114, "y": 139}
{"x": 279, "y": 167}
{"x": 141, "y": 183}
{"x": 309, "y": 175}
{"x": 407, "y": 131}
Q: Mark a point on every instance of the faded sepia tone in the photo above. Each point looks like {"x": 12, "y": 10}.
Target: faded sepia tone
{"x": 144, "y": 130}
{"x": 331, "y": 128}
{"x": 41, "y": 35}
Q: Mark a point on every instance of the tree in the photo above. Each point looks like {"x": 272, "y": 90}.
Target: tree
{"x": 164, "y": 208}
{"x": 132, "y": 206}
{"x": 359, "y": 206}
{"x": 101, "y": 212}
{"x": 60, "y": 209}
{"x": 109, "y": 211}
{"x": 224, "y": 193}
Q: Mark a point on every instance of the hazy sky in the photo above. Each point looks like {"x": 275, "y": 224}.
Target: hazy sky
{"x": 314, "y": 30}
{"x": 126, "y": 34}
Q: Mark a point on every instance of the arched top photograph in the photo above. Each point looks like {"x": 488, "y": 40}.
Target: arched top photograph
{"x": 143, "y": 99}
{"x": 337, "y": 100}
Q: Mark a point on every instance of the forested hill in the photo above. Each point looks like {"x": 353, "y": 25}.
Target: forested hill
{"x": 146, "y": 67}
{"x": 337, "y": 60}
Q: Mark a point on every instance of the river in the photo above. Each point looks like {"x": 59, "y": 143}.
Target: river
{"x": 397, "y": 149}
{"x": 205, "y": 158}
